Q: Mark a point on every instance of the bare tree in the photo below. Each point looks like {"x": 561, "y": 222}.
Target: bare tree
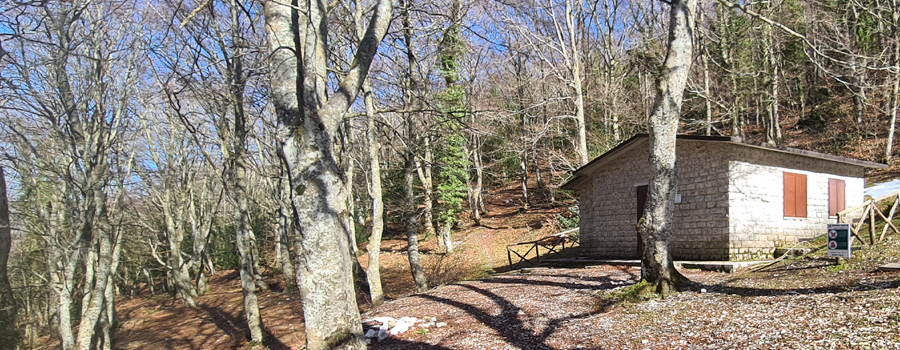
{"x": 555, "y": 34}
{"x": 308, "y": 122}
{"x": 655, "y": 226}
{"x": 77, "y": 71}
{"x": 413, "y": 165}
{"x": 181, "y": 184}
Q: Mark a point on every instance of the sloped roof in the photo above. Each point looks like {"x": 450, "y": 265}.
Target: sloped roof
{"x": 583, "y": 173}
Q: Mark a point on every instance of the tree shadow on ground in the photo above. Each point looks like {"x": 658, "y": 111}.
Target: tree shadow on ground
{"x": 724, "y": 288}
{"x": 507, "y": 321}
{"x": 225, "y": 322}
{"x": 236, "y": 329}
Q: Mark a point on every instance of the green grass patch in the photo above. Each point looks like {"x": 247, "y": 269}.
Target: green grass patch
{"x": 636, "y": 293}
{"x": 837, "y": 268}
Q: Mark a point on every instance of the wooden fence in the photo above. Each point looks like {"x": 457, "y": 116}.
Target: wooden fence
{"x": 550, "y": 243}
{"x": 870, "y": 213}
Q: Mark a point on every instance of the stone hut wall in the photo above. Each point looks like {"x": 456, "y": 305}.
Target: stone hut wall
{"x": 756, "y": 199}
{"x": 608, "y": 205}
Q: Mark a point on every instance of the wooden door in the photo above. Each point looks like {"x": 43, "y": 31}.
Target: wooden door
{"x": 641, "y": 202}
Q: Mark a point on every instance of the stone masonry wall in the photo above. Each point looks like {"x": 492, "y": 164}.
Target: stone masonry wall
{"x": 609, "y": 204}
{"x": 608, "y": 207}
{"x": 701, "y": 219}
{"x": 756, "y": 199}
{"x": 731, "y": 201}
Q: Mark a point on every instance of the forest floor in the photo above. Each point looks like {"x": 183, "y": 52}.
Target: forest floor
{"x": 163, "y": 322}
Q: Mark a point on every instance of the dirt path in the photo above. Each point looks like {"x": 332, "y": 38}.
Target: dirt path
{"x": 558, "y": 309}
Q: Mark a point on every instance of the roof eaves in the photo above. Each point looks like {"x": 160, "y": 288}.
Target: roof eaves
{"x": 580, "y": 175}
{"x": 811, "y": 154}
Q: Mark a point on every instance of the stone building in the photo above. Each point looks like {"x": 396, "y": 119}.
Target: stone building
{"x": 736, "y": 199}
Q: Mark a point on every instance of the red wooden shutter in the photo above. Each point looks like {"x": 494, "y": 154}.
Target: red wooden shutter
{"x": 790, "y": 199}
{"x": 801, "y": 195}
{"x": 794, "y": 195}
{"x": 836, "y": 197}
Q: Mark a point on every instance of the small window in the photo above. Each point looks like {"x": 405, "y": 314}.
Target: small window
{"x": 794, "y": 195}
{"x": 836, "y": 197}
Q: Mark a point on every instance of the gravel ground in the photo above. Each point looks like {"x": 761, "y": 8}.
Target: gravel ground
{"x": 560, "y": 309}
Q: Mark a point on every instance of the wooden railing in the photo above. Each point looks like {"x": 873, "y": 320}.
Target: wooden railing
{"x": 550, "y": 243}
{"x": 870, "y": 213}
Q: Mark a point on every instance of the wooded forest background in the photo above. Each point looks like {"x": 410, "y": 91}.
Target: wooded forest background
{"x": 140, "y": 142}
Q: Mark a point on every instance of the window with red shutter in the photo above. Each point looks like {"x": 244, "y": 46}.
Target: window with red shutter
{"x": 794, "y": 195}
{"x": 836, "y": 196}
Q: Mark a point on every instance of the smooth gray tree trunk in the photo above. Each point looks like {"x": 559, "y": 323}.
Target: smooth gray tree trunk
{"x": 308, "y": 128}
{"x": 234, "y": 151}
{"x": 655, "y": 226}
{"x": 244, "y": 238}
{"x": 426, "y": 176}
{"x": 895, "y": 83}
{"x": 9, "y": 334}
{"x": 446, "y": 227}
{"x": 373, "y": 270}
{"x": 285, "y": 213}
{"x": 412, "y": 228}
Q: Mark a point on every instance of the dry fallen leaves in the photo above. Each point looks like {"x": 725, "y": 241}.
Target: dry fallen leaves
{"x": 559, "y": 309}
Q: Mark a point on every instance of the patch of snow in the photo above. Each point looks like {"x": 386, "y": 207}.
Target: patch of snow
{"x": 399, "y": 328}
{"x": 883, "y": 189}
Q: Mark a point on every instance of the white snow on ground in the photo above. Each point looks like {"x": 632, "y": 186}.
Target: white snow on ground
{"x": 883, "y": 189}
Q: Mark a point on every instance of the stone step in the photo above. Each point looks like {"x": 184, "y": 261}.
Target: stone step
{"x": 723, "y": 266}
{"x": 890, "y": 267}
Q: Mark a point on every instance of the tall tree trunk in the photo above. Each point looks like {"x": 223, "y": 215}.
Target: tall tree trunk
{"x": 579, "y": 116}
{"x": 706, "y": 93}
{"x": 243, "y": 239}
{"x": 473, "y": 185}
{"x": 413, "y": 101}
{"x": 308, "y": 128}
{"x": 177, "y": 270}
{"x": 110, "y": 319}
{"x": 201, "y": 218}
{"x": 373, "y": 270}
{"x": 234, "y": 149}
{"x": 655, "y": 226}
{"x": 285, "y": 213}
{"x": 62, "y": 282}
{"x": 519, "y": 66}
{"x": 478, "y": 173}
{"x": 100, "y": 261}
{"x": 771, "y": 52}
{"x": 9, "y": 334}
{"x": 857, "y": 74}
{"x": 426, "y": 176}
{"x": 573, "y": 19}
{"x": 895, "y": 96}
{"x": 895, "y": 85}
{"x": 359, "y": 274}
{"x": 412, "y": 228}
